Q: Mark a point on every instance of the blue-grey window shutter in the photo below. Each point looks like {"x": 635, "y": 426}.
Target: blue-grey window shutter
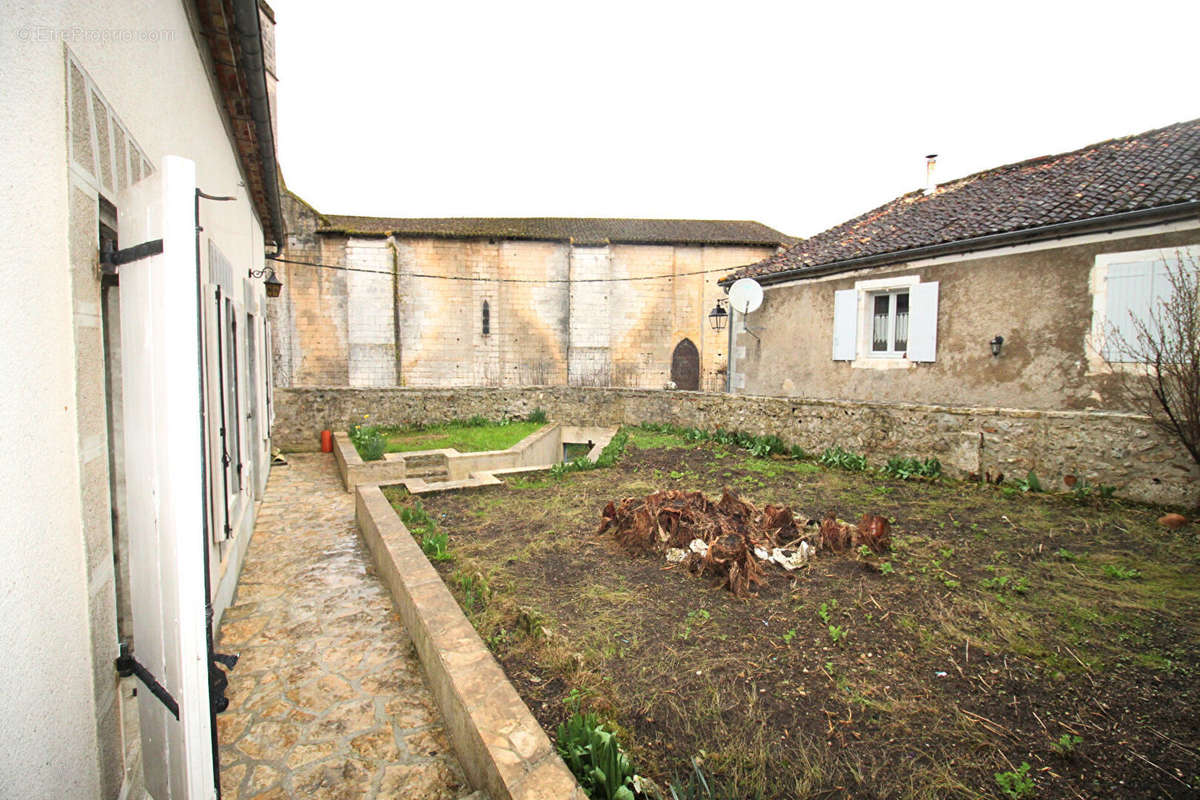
{"x": 845, "y": 325}
{"x": 1132, "y": 293}
{"x": 922, "y": 321}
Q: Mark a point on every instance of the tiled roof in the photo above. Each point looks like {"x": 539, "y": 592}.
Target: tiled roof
{"x": 1145, "y": 171}
{"x": 235, "y": 70}
{"x": 583, "y": 231}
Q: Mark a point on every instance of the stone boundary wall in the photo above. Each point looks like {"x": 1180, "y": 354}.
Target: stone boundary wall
{"x": 501, "y": 746}
{"x": 1122, "y": 450}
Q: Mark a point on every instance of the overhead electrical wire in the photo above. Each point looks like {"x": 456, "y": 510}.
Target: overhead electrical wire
{"x": 344, "y": 268}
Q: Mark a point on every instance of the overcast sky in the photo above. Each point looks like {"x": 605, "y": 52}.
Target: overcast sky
{"x": 798, "y": 115}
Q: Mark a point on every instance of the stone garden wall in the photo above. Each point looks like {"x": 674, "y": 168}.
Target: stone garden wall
{"x": 1122, "y": 450}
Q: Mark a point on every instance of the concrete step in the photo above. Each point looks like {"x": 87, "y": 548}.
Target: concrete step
{"x": 428, "y": 473}
{"x": 421, "y": 486}
{"x": 425, "y": 460}
{"x": 430, "y": 466}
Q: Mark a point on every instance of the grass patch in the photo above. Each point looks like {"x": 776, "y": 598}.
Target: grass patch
{"x": 461, "y": 436}
{"x": 656, "y": 440}
{"x": 574, "y": 450}
{"x": 773, "y": 468}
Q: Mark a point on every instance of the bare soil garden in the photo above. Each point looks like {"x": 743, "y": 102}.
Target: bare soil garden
{"x": 1001, "y": 628}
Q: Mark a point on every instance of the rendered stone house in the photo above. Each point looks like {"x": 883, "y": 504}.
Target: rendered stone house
{"x": 136, "y": 393}
{"x": 454, "y": 302}
{"x": 901, "y": 303}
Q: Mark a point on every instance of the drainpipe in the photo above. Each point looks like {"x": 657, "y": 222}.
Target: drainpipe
{"x": 569, "y": 284}
{"x": 249, "y": 34}
{"x": 210, "y": 649}
{"x": 398, "y": 357}
{"x": 729, "y": 354}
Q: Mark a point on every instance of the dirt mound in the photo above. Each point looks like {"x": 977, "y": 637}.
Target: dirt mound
{"x": 730, "y": 539}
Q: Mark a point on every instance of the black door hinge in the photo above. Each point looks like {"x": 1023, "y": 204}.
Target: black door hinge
{"x": 128, "y": 665}
{"x": 111, "y": 259}
{"x": 218, "y": 681}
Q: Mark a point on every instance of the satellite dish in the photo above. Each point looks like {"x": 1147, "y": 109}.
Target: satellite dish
{"x": 745, "y": 295}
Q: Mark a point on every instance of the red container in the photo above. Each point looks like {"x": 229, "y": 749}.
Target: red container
{"x": 326, "y": 442}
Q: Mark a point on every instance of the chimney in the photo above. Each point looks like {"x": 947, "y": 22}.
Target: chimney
{"x": 930, "y": 170}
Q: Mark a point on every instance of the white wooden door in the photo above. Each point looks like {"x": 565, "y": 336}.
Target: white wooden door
{"x": 163, "y": 479}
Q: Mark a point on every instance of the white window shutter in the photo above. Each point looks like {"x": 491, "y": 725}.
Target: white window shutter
{"x": 1131, "y": 294}
{"x": 164, "y": 453}
{"x": 845, "y": 325}
{"x": 922, "y": 321}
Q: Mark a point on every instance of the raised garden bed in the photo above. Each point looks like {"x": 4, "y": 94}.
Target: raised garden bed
{"x": 422, "y": 471}
{"x": 1003, "y": 628}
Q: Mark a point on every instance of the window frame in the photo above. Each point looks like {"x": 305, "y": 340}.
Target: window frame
{"x": 891, "y": 351}
{"x": 1096, "y": 338}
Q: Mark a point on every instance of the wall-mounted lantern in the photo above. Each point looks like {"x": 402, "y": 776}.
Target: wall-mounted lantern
{"x": 719, "y": 317}
{"x": 996, "y": 344}
{"x": 272, "y": 284}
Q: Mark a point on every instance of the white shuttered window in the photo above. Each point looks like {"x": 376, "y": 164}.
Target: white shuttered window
{"x": 880, "y": 324}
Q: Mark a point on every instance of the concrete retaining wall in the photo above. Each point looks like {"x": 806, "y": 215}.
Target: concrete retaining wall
{"x": 540, "y": 448}
{"x": 537, "y": 449}
{"x": 501, "y": 746}
{"x": 1123, "y": 450}
{"x": 354, "y": 470}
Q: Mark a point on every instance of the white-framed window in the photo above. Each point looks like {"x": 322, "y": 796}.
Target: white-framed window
{"x": 1127, "y": 287}
{"x": 886, "y": 323}
{"x": 889, "y": 323}
{"x": 233, "y": 405}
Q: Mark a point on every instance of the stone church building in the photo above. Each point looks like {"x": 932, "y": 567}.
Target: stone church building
{"x": 505, "y": 302}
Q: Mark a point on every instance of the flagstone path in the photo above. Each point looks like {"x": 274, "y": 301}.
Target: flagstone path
{"x": 328, "y": 701}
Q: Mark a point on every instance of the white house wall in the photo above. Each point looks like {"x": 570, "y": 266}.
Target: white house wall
{"x": 63, "y": 732}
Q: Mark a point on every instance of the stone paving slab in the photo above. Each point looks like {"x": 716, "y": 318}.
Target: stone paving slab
{"x": 328, "y": 701}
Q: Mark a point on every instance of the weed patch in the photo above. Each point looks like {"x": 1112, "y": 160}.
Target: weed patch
{"x": 908, "y": 467}
{"x": 368, "y": 440}
{"x": 842, "y": 459}
{"x": 1016, "y": 784}
{"x": 596, "y": 758}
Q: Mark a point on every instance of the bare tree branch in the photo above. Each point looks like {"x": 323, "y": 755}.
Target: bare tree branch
{"x": 1161, "y": 376}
